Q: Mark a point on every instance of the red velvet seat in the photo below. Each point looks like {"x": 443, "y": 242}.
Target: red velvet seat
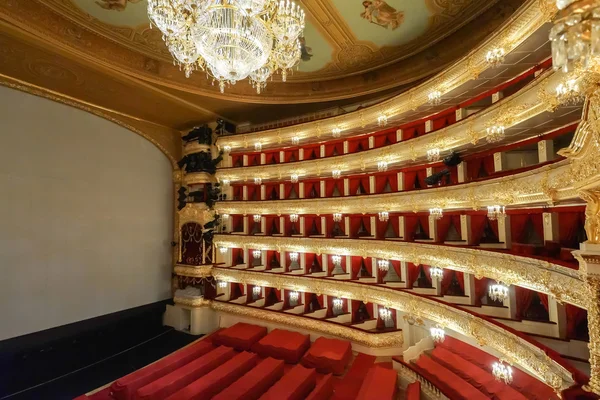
{"x": 240, "y": 336}
{"x": 380, "y": 383}
{"x": 212, "y": 383}
{"x": 125, "y": 388}
{"x": 481, "y": 379}
{"x": 323, "y": 390}
{"x": 254, "y": 383}
{"x": 174, "y": 381}
{"x": 448, "y": 382}
{"x": 522, "y": 382}
{"x": 283, "y": 345}
{"x": 295, "y": 385}
{"x": 413, "y": 391}
{"x": 328, "y": 356}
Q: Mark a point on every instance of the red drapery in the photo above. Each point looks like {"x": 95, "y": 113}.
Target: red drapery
{"x": 481, "y": 286}
{"x": 331, "y": 184}
{"x": 308, "y": 298}
{"x": 356, "y": 262}
{"x": 330, "y": 306}
{"x": 309, "y": 220}
{"x": 382, "y": 226}
{"x": 330, "y": 147}
{"x": 543, "y": 299}
{"x": 271, "y": 256}
{"x": 382, "y": 179}
{"x": 330, "y": 265}
{"x": 476, "y": 164}
{"x": 443, "y": 225}
{"x": 237, "y": 192}
{"x": 287, "y": 190}
{"x": 385, "y": 139}
{"x": 478, "y": 224}
{"x": 191, "y": 247}
{"x": 575, "y": 316}
{"x": 353, "y": 185}
{"x": 353, "y": 145}
{"x": 312, "y": 153}
{"x": 272, "y": 157}
{"x": 312, "y": 189}
{"x": 410, "y": 224}
{"x": 447, "y": 280}
{"x": 518, "y": 222}
{"x": 291, "y": 155}
{"x": 568, "y": 223}
{"x": 413, "y": 273}
{"x": 355, "y": 222}
{"x": 523, "y": 299}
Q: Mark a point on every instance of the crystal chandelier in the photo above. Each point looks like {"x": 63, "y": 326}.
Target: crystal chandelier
{"x": 436, "y": 273}
{"x": 293, "y": 217}
{"x": 337, "y": 260}
{"x": 231, "y": 40}
{"x": 575, "y": 35}
{"x": 568, "y": 93}
{"x": 434, "y": 98}
{"x": 294, "y": 256}
{"x": 256, "y": 254}
{"x": 336, "y": 173}
{"x": 295, "y": 140}
{"x": 222, "y": 284}
{"x": 223, "y": 250}
{"x": 256, "y": 290}
{"x": 382, "y": 166}
{"x": 382, "y": 120}
{"x": 383, "y": 265}
{"x": 385, "y": 313}
{"x": 257, "y": 217}
{"x": 294, "y": 178}
{"x": 496, "y": 212}
{"x": 337, "y": 217}
{"x": 436, "y": 213}
{"x": 384, "y": 216}
{"x": 294, "y": 296}
{"x": 502, "y": 372}
{"x": 437, "y": 334}
{"x": 258, "y": 146}
{"x": 498, "y": 292}
{"x": 257, "y": 181}
{"x": 335, "y": 132}
{"x": 495, "y": 57}
{"x": 338, "y": 303}
{"x": 495, "y": 133}
{"x": 433, "y": 155}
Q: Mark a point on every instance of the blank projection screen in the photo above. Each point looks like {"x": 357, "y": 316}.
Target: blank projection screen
{"x": 85, "y": 216}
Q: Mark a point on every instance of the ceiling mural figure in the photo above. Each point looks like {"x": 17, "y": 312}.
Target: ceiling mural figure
{"x": 379, "y": 12}
{"x": 118, "y": 5}
{"x": 306, "y": 52}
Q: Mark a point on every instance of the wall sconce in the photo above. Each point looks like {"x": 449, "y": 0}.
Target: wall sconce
{"x": 257, "y": 181}
{"x": 295, "y": 140}
{"x": 495, "y": 133}
{"x": 436, "y": 213}
{"x": 383, "y": 265}
{"x": 495, "y": 57}
{"x": 382, "y": 166}
{"x": 498, "y": 292}
{"x": 294, "y": 217}
{"x": 257, "y": 217}
{"x": 258, "y": 146}
{"x": 336, "y": 173}
{"x": 384, "y": 216}
{"x": 382, "y": 120}
{"x": 436, "y": 273}
{"x": 434, "y": 97}
{"x": 294, "y": 256}
{"x": 256, "y": 254}
{"x": 433, "y": 155}
{"x": 496, "y": 212}
{"x": 335, "y": 132}
{"x": 294, "y": 178}
{"x": 438, "y": 334}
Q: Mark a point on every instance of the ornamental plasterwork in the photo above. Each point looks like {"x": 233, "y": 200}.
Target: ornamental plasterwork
{"x": 516, "y": 350}
{"x": 521, "y": 26}
{"x": 508, "y": 112}
{"x": 544, "y": 185}
{"x": 563, "y": 283}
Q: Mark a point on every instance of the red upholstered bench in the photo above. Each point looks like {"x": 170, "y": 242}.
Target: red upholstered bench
{"x": 413, "y": 391}
{"x": 240, "y": 336}
{"x": 125, "y": 388}
{"x": 212, "y": 383}
{"x": 380, "y": 383}
{"x": 295, "y": 385}
{"x": 256, "y": 382}
{"x": 283, "y": 345}
{"x": 183, "y": 376}
{"x": 328, "y": 356}
{"x": 477, "y": 377}
{"x": 448, "y": 382}
{"x": 323, "y": 390}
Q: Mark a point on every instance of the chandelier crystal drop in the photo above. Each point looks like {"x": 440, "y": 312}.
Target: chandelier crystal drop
{"x": 382, "y": 166}
{"x": 495, "y": 57}
{"x": 438, "y": 334}
{"x": 496, "y": 212}
{"x": 502, "y": 372}
{"x": 294, "y": 256}
{"x": 568, "y": 93}
{"x": 436, "y": 213}
{"x": 434, "y": 97}
{"x": 384, "y": 216}
{"x": 433, "y": 155}
{"x": 231, "y": 40}
{"x": 294, "y": 178}
{"x": 257, "y": 290}
{"x": 575, "y": 36}
{"x": 256, "y": 254}
{"x": 336, "y": 173}
{"x": 257, "y": 217}
{"x": 294, "y": 296}
{"x": 335, "y": 132}
{"x": 494, "y": 133}
{"x": 383, "y": 265}
{"x": 337, "y": 217}
{"x": 498, "y": 292}
{"x": 436, "y": 273}
{"x": 382, "y": 120}
{"x": 385, "y": 313}
{"x": 293, "y": 217}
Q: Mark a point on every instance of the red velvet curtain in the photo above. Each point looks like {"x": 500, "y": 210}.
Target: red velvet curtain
{"x": 382, "y": 226}
{"x": 312, "y": 189}
{"x": 575, "y": 316}
{"x": 330, "y": 185}
{"x": 410, "y": 224}
{"x": 330, "y": 147}
{"x": 543, "y": 299}
{"x": 288, "y": 155}
{"x": 409, "y": 179}
{"x": 272, "y": 157}
{"x": 475, "y": 164}
{"x": 288, "y": 189}
{"x": 523, "y": 299}
{"x": 191, "y": 246}
{"x": 447, "y": 280}
{"x": 568, "y": 223}
{"x": 413, "y": 273}
{"x": 353, "y": 184}
{"x": 481, "y": 287}
{"x": 518, "y": 222}
{"x": 330, "y": 306}
{"x": 316, "y": 150}
{"x": 237, "y": 192}
{"x": 443, "y": 224}
{"x": 421, "y": 175}
{"x": 353, "y": 145}
{"x": 386, "y": 139}
{"x": 381, "y": 180}
{"x": 355, "y": 222}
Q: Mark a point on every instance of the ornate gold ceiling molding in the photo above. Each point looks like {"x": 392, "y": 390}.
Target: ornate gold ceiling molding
{"x": 167, "y": 140}
{"x": 509, "y": 112}
{"x": 520, "y": 26}
{"x": 565, "y": 284}
{"x": 515, "y": 349}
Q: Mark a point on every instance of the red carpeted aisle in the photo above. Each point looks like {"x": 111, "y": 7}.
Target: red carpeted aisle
{"x": 349, "y": 385}
{"x": 240, "y": 336}
{"x": 380, "y": 383}
{"x": 283, "y": 345}
{"x": 413, "y": 391}
{"x": 328, "y": 356}
{"x": 254, "y": 383}
{"x": 324, "y": 388}
{"x": 295, "y": 385}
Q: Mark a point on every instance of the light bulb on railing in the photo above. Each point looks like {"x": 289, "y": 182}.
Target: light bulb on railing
{"x": 436, "y": 213}
{"x": 438, "y": 335}
{"x": 294, "y": 217}
{"x": 294, "y": 296}
{"x": 495, "y": 57}
{"x": 382, "y": 166}
{"x": 382, "y": 120}
{"x": 434, "y": 97}
{"x": 385, "y": 313}
{"x": 257, "y": 254}
{"x": 384, "y": 216}
{"x": 336, "y": 174}
{"x": 257, "y": 290}
{"x": 496, "y": 212}
{"x": 502, "y": 372}
{"x": 335, "y": 132}
{"x": 495, "y": 133}
{"x": 338, "y": 303}
{"x": 337, "y": 217}
{"x": 258, "y": 146}
{"x": 295, "y": 140}
{"x": 257, "y": 217}
{"x": 293, "y": 256}
{"x": 337, "y": 260}
{"x": 436, "y": 273}
{"x": 433, "y": 155}
{"x": 294, "y": 178}
{"x": 498, "y": 292}
{"x": 383, "y": 265}
{"x": 257, "y": 181}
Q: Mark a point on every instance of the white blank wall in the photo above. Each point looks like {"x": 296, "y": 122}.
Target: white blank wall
{"x": 85, "y": 216}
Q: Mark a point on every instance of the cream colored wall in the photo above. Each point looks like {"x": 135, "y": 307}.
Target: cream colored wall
{"x": 85, "y": 216}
